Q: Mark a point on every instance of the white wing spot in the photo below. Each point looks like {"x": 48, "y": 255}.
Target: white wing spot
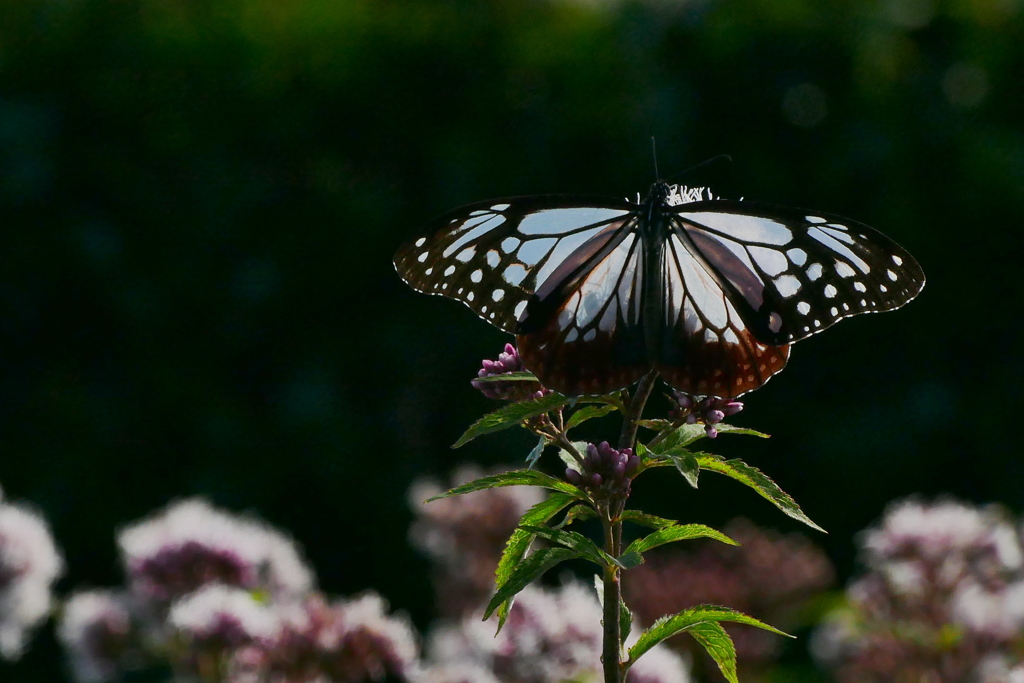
{"x": 839, "y": 226}
{"x": 483, "y": 309}
{"x": 428, "y": 271}
{"x": 421, "y": 241}
{"x": 469, "y": 296}
{"x": 493, "y": 258}
{"x": 846, "y": 306}
{"x": 730, "y": 336}
{"x": 449, "y": 270}
{"x": 797, "y": 256}
{"x": 883, "y": 289}
{"x": 774, "y": 322}
{"x": 466, "y": 254}
{"x": 814, "y": 271}
{"x": 742, "y": 227}
{"x": 817, "y": 323}
{"x": 844, "y": 269}
{"x": 514, "y": 274}
{"x": 814, "y": 219}
{"x": 803, "y": 308}
{"x": 423, "y": 257}
{"x": 565, "y": 317}
{"x": 444, "y": 285}
{"x": 772, "y": 262}
{"x": 834, "y": 311}
{"x": 788, "y": 285}
{"x": 830, "y": 292}
{"x": 859, "y": 286}
{"x": 573, "y": 333}
{"x": 863, "y": 302}
{"x": 710, "y": 337}
{"x": 895, "y": 259}
{"x": 499, "y": 207}
{"x": 591, "y": 335}
{"x": 891, "y": 274}
{"x": 477, "y": 275}
{"x": 509, "y": 244}
{"x": 498, "y": 294}
{"x": 520, "y": 307}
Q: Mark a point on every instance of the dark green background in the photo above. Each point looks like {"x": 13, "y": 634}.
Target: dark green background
{"x": 200, "y": 201}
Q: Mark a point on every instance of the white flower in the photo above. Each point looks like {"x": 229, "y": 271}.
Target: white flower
{"x": 225, "y": 615}
{"x": 29, "y": 565}
{"x": 95, "y": 628}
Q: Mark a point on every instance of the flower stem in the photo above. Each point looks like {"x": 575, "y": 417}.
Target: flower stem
{"x": 612, "y": 518}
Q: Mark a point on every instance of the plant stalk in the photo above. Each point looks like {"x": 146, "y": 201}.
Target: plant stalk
{"x": 611, "y": 651}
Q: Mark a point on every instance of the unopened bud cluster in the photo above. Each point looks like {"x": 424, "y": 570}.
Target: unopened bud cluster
{"x": 517, "y": 390}
{"x": 709, "y": 411}
{"x": 606, "y": 472}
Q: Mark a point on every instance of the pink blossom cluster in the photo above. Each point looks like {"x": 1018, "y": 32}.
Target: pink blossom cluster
{"x": 224, "y": 597}
{"x": 942, "y": 599}
{"x": 29, "y": 566}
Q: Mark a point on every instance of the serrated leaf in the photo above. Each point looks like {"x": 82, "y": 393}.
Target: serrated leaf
{"x": 519, "y": 542}
{"x": 656, "y": 424}
{"x": 514, "y": 478}
{"x": 668, "y": 626}
{"x": 630, "y": 559}
{"x": 679, "y": 532}
{"x": 579, "y": 513}
{"x": 521, "y": 376}
{"x": 757, "y": 480}
{"x": 532, "y": 567}
{"x": 588, "y": 413}
{"x": 647, "y": 520}
{"x": 511, "y": 415}
{"x": 718, "y": 644}
{"x": 688, "y": 433}
{"x": 584, "y": 547}
{"x": 625, "y": 622}
{"x": 566, "y": 456}
{"x": 688, "y": 466}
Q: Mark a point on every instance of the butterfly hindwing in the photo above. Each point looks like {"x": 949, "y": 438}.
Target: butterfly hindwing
{"x": 493, "y": 255}
{"x": 792, "y": 273}
{"x": 705, "y": 346}
{"x": 592, "y": 341}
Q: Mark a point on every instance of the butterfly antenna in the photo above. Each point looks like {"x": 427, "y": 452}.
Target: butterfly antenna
{"x": 654, "y": 153}
{"x": 720, "y": 157}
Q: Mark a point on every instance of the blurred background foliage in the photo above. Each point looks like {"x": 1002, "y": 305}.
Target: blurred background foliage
{"x": 200, "y": 201}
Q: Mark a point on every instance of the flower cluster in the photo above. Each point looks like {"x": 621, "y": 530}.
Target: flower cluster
{"x": 228, "y": 598}
{"x": 772, "y": 575}
{"x": 708, "y": 410}
{"x": 29, "y": 565}
{"x": 551, "y": 636}
{"x": 464, "y": 535}
{"x": 942, "y": 599}
{"x": 512, "y": 390}
{"x": 606, "y": 472}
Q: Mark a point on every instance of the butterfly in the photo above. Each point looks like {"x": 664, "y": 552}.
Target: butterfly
{"x": 708, "y": 292}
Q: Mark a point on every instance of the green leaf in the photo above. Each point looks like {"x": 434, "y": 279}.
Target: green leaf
{"x": 630, "y": 560}
{"x": 625, "y": 622}
{"x": 584, "y": 547}
{"x": 532, "y": 567}
{"x": 668, "y": 626}
{"x": 588, "y": 413}
{"x": 519, "y": 542}
{"x": 679, "y": 532}
{"x": 717, "y": 643}
{"x": 515, "y": 478}
{"x": 566, "y": 456}
{"x": 688, "y": 433}
{"x": 647, "y": 520}
{"x": 688, "y": 466}
{"x": 536, "y": 452}
{"x": 521, "y": 376}
{"x": 512, "y": 415}
{"x": 757, "y": 480}
{"x": 579, "y": 513}
{"x": 657, "y": 425}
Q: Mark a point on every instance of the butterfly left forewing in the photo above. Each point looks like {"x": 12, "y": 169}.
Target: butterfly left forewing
{"x": 792, "y": 273}
{"x": 492, "y": 255}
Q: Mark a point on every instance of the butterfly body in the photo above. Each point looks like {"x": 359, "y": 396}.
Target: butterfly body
{"x": 708, "y": 292}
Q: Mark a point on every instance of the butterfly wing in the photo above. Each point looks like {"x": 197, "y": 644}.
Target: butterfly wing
{"x": 791, "y": 273}
{"x": 583, "y": 333}
{"x": 705, "y": 346}
{"x": 493, "y": 255}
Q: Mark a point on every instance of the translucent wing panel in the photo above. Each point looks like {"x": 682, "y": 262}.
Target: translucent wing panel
{"x": 492, "y": 255}
{"x": 792, "y": 273}
{"x": 592, "y": 341}
{"x": 705, "y": 347}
